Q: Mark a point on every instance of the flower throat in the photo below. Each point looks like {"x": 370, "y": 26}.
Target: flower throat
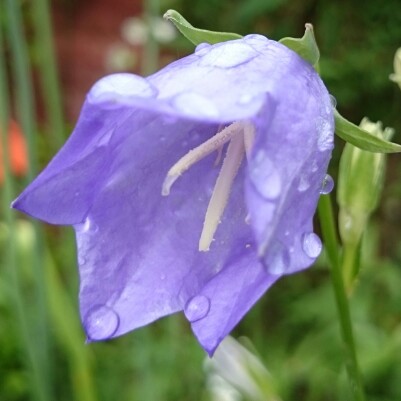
{"x": 240, "y": 136}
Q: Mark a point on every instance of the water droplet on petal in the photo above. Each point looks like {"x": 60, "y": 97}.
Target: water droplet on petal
{"x": 101, "y": 322}
{"x": 254, "y": 99}
{"x": 311, "y": 245}
{"x": 116, "y": 88}
{"x": 105, "y": 138}
{"x": 88, "y": 225}
{"x": 333, "y": 101}
{"x": 197, "y": 308}
{"x": 280, "y": 262}
{"x": 314, "y": 167}
{"x": 326, "y": 135}
{"x": 245, "y": 99}
{"x": 195, "y": 105}
{"x": 228, "y": 55}
{"x": 265, "y": 176}
{"x": 255, "y": 38}
{"x": 202, "y": 49}
{"x": 327, "y": 185}
{"x": 303, "y": 184}
{"x": 81, "y": 259}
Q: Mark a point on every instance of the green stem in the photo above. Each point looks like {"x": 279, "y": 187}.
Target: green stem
{"x": 349, "y": 265}
{"x": 330, "y": 240}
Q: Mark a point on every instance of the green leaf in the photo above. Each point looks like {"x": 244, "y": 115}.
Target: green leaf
{"x": 195, "y": 35}
{"x": 361, "y": 138}
{"x": 306, "y": 46}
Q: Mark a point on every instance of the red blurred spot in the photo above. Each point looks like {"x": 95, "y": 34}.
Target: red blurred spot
{"x": 16, "y": 151}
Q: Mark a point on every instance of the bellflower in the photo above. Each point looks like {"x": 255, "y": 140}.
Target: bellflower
{"x": 192, "y": 189}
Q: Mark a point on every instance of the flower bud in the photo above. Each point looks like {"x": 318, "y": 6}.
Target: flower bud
{"x": 396, "y": 77}
{"x": 360, "y": 182}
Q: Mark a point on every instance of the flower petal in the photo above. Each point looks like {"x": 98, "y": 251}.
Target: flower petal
{"x": 231, "y": 294}
{"x": 287, "y": 169}
{"x": 64, "y": 191}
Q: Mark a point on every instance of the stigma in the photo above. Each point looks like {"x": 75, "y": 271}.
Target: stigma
{"x": 240, "y": 137}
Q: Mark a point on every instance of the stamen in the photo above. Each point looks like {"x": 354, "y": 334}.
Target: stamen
{"x": 249, "y": 138}
{"x": 241, "y": 136}
{"x": 221, "y": 191}
{"x": 219, "y": 150}
{"x": 194, "y": 155}
{"x": 218, "y": 157}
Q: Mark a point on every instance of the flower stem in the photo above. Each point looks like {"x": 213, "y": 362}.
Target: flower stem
{"x": 330, "y": 239}
{"x": 349, "y": 265}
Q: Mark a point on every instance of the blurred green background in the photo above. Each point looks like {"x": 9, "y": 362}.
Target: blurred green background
{"x": 51, "y": 53}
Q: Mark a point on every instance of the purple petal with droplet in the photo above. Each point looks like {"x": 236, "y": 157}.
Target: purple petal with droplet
{"x": 138, "y": 250}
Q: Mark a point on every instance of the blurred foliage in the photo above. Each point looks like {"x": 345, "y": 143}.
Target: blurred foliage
{"x": 294, "y": 327}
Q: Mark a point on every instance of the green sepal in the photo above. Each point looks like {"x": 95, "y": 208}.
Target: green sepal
{"x": 195, "y": 35}
{"x": 362, "y": 139}
{"x": 306, "y": 47}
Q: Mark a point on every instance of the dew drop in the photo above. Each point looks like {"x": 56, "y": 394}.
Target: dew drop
{"x": 314, "y": 167}
{"x": 197, "y": 308}
{"x": 333, "y": 101}
{"x": 245, "y": 99}
{"x": 105, "y": 138}
{"x": 202, "y": 49}
{"x": 116, "y": 88}
{"x": 101, "y": 323}
{"x": 303, "y": 184}
{"x": 195, "y": 105}
{"x": 264, "y": 176}
{"x": 327, "y": 185}
{"x": 228, "y": 55}
{"x": 326, "y": 134}
{"x": 81, "y": 259}
{"x": 88, "y": 225}
{"x": 280, "y": 262}
{"x": 255, "y": 38}
{"x": 255, "y": 99}
{"x": 311, "y": 245}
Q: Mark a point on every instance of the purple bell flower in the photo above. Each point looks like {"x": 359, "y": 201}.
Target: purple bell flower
{"x": 193, "y": 189}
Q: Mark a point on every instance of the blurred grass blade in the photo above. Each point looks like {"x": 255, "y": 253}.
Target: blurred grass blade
{"x": 10, "y": 257}
{"x": 48, "y": 71}
{"x": 306, "y": 47}
{"x": 195, "y": 35}
{"x": 362, "y": 139}
{"x": 70, "y": 335}
{"x": 150, "y": 62}
{"x": 25, "y": 111}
